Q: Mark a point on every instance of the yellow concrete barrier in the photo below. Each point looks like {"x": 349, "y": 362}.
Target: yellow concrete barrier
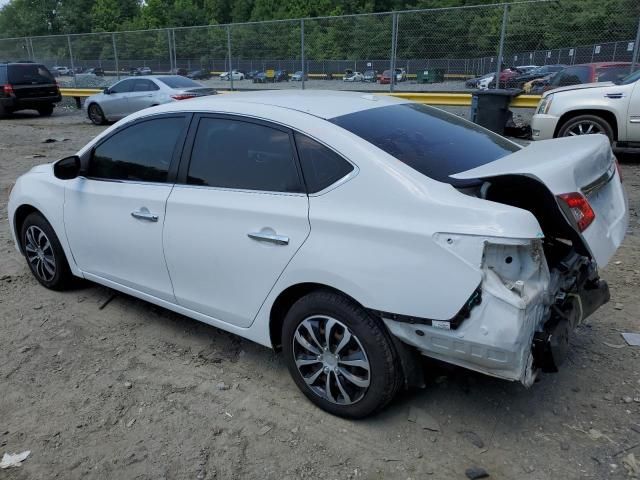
{"x": 429, "y": 98}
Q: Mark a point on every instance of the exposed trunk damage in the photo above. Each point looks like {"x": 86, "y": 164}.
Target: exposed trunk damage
{"x": 534, "y": 291}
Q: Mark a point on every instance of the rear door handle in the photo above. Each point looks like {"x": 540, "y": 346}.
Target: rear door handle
{"x": 144, "y": 214}
{"x": 269, "y": 237}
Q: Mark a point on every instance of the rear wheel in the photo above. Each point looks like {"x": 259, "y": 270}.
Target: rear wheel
{"x": 44, "y": 253}
{"x": 586, "y": 125}
{"x": 96, "y": 115}
{"x": 341, "y": 357}
{"x": 45, "y": 111}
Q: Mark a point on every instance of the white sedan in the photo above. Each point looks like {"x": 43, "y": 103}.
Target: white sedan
{"x": 608, "y": 108}
{"x": 354, "y": 232}
{"x": 353, "y": 77}
{"x": 235, "y": 75}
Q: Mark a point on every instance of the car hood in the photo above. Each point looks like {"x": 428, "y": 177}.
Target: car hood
{"x": 582, "y": 86}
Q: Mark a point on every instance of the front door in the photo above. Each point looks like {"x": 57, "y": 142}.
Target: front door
{"x": 115, "y": 105}
{"x": 236, "y": 220}
{"x": 114, "y": 215}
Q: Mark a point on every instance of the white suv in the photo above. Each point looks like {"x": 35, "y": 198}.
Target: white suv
{"x": 612, "y": 109}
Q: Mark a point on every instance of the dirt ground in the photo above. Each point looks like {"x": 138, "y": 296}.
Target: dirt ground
{"x": 132, "y": 391}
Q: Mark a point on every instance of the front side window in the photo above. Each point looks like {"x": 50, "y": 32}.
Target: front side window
{"x": 123, "y": 87}
{"x": 321, "y": 166}
{"x": 242, "y": 155}
{"x": 435, "y": 143}
{"x": 141, "y": 152}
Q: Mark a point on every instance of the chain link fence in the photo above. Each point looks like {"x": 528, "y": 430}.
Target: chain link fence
{"x": 433, "y": 49}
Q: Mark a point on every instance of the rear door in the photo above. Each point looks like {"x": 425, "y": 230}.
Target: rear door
{"x": 143, "y": 95}
{"x": 236, "y": 217}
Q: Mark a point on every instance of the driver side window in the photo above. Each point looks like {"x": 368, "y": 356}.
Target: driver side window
{"x": 141, "y": 152}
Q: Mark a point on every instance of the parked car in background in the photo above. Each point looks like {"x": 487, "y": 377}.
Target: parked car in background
{"x": 355, "y": 247}
{"x": 353, "y": 77}
{"x": 180, "y": 71}
{"x": 538, "y": 85}
{"x": 385, "y": 77}
{"x": 281, "y": 76}
{"x": 235, "y": 74}
{"x": 199, "y": 75}
{"x": 260, "y": 77}
{"x": 62, "y": 70}
{"x": 27, "y": 86}
{"x": 97, "y": 71}
{"x": 136, "y": 72}
{"x": 518, "y": 81}
{"x": 298, "y": 76}
{"x": 609, "y": 108}
{"x": 133, "y": 94}
{"x": 590, "y": 73}
{"x": 252, "y": 73}
{"x": 525, "y": 68}
{"x": 480, "y": 82}
{"x": 401, "y": 74}
{"x": 370, "y": 76}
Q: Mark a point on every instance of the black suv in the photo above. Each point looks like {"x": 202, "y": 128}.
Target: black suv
{"x": 27, "y": 86}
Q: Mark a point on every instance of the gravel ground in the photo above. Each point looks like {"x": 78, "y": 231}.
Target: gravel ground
{"x": 134, "y": 391}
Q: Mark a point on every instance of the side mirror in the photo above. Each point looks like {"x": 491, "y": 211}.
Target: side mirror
{"x": 106, "y": 91}
{"x": 68, "y": 168}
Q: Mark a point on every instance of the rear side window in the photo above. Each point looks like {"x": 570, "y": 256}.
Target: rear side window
{"x": 241, "y": 155}
{"x": 435, "y": 143}
{"x": 572, "y": 76}
{"x": 141, "y": 152}
{"x": 321, "y": 167}
{"x": 29, "y": 74}
{"x": 179, "y": 82}
{"x": 145, "y": 86}
{"x": 612, "y": 74}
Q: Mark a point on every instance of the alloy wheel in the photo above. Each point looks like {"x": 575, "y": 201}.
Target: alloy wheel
{"x": 40, "y": 253}
{"x": 584, "y": 128}
{"x": 331, "y": 360}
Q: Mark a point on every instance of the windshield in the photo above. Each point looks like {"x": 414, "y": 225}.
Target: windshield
{"x": 630, "y": 78}
{"x": 435, "y": 143}
{"x": 29, "y": 74}
{"x": 178, "y": 82}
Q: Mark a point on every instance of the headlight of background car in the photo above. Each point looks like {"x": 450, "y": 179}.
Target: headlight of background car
{"x": 545, "y": 104}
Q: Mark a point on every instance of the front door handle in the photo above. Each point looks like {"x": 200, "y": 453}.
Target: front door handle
{"x": 269, "y": 237}
{"x": 144, "y": 214}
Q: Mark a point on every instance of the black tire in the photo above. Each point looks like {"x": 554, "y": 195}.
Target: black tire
{"x": 598, "y": 124}
{"x": 385, "y": 371}
{"x": 61, "y": 277}
{"x": 96, "y": 115}
{"x": 46, "y": 110}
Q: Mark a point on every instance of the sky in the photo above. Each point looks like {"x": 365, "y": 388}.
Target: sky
{"x": 3, "y": 3}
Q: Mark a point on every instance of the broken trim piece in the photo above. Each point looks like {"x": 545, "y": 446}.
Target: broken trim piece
{"x": 451, "y": 324}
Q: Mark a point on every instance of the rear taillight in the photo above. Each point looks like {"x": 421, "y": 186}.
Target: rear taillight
{"x": 183, "y": 96}
{"x": 580, "y": 209}
{"x": 8, "y": 90}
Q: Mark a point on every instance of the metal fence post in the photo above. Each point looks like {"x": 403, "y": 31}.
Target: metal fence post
{"x": 394, "y": 39}
{"x": 175, "y": 55}
{"x": 73, "y": 69}
{"x": 635, "y": 49}
{"x": 229, "y": 54}
{"x": 115, "y": 54}
{"x": 304, "y": 70}
{"x": 170, "y": 48}
{"x": 503, "y": 31}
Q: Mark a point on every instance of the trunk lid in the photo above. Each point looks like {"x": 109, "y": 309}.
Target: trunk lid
{"x": 582, "y": 164}
{"x": 199, "y": 91}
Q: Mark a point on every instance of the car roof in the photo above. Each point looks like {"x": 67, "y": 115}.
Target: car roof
{"x": 319, "y": 103}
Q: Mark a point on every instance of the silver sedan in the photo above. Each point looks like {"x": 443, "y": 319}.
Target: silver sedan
{"x": 133, "y": 94}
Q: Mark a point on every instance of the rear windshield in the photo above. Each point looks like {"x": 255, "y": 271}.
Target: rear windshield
{"x": 179, "y": 82}
{"x": 433, "y": 142}
{"x": 29, "y": 74}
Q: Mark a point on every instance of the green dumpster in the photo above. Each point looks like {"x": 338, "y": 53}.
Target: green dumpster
{"x": 431, "y": 75}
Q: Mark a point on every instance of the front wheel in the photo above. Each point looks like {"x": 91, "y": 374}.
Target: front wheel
{"x": 586, "y": 125}
{"x": 96, "y": 115}
{"x": 44, "y": 253}
{"x": 341, "y": 357}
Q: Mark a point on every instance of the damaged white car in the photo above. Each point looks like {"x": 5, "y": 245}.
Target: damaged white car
{"x": 355, "y": 232}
